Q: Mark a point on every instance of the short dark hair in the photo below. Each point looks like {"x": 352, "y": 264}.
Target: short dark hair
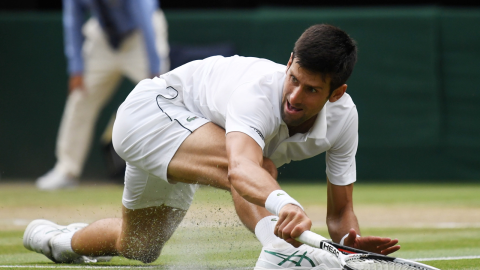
{"x": 328, "y": 50}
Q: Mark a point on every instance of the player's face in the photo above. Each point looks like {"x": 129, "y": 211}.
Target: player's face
{"x": 304, "y": 95}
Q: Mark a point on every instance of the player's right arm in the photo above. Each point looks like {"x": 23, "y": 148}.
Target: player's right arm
{"x": 245, "y": 172}
{"x": 255, "y": 184}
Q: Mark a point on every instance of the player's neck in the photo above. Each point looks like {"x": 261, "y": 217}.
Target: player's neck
{"x": 303, "y": 127}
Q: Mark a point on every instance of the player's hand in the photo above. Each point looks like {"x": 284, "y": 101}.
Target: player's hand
{"x": 381, "y": 245}
{"x": 292, "y": 223}
{"x": 75, "y": 83}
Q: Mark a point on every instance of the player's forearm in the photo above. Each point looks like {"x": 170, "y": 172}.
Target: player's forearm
{"x": 340, "y": 215}
{"x": 339, "y": 225}
{"x": 251, "y": 181}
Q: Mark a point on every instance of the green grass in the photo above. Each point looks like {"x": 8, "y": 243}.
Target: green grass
{"x": 395, "y": 194}
{"x": 229, "y": 245}
{"x": 235, "y": 247}
{"x": 27, "y": 196}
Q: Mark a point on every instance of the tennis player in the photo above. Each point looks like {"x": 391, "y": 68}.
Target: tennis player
{"x": 229, "y": 123}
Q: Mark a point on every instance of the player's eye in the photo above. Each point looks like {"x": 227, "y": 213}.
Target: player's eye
{"x": 313, "y": 90}
{"x": 294, "y": 79}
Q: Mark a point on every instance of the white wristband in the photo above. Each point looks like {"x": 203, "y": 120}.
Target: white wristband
{"x": 343, "y": 238}
{"x": 278, "y": 199}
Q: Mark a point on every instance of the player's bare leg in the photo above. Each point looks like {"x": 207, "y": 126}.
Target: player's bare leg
{"x": 202, "y": 159}
{"x": 140, "y": 234}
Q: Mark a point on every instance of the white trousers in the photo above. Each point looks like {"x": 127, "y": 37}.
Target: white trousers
{"x": 104, "y": 68}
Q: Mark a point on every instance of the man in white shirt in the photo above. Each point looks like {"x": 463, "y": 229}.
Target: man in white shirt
{"x": 229, "y": 123}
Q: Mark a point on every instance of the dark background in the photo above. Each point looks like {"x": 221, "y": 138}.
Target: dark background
{"x": 416, "y": 85}
{"x": 189, "y": 4}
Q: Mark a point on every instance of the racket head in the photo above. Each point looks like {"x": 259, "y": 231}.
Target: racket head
{"x": 356, "y": 259}
{"x": 376, "y": 262}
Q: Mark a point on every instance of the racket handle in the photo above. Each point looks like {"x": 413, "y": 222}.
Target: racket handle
{"x": 310, "y": 238}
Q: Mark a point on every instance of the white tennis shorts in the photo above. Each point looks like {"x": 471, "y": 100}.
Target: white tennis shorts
{"x": 149, "y": 128}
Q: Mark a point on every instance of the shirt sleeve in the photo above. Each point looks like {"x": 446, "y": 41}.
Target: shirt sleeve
{"x": 73, "y": 18}
{"x": 250, "y": 112}
{"x": 340, "y": 158}
{"x": 142, "y": 14}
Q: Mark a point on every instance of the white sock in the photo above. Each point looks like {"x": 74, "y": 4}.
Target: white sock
{"x": 264, "y": 231}
{"x": 62, "y": 247}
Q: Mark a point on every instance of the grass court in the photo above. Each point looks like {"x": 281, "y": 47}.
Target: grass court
{"x": 436, "y": 224}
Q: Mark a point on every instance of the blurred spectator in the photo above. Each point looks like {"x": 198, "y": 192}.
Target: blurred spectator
{"x": 121, "y": 37}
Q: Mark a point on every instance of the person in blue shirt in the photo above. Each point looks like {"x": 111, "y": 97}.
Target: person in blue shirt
{"x": 120, "y": 38}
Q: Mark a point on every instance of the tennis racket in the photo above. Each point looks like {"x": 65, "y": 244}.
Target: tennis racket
{"x": 356, "y": 259}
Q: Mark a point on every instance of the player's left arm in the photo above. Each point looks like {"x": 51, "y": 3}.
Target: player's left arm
{"x": 342, "y": 223}
{"x": 340, "y": 215}
{"x": 341, "y": 174}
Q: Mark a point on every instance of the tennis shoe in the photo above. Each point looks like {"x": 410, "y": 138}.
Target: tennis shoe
{"x": 40, "y": 235}
{"x": 55, "y": 179}
{"x": 285, "y": 256}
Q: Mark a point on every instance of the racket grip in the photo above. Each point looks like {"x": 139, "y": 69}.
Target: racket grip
{"x": 310, "y": 238}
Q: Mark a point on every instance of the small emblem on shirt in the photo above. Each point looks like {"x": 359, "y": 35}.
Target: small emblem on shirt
{"x": 278, "y": 194}
{"x": 259, "y": 133}
{"x": 191, "y": 118}
{"x": 274, "y": 219}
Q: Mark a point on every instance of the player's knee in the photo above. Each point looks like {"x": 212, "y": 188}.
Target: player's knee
{"x": 270, "y": 167}
{"x": 144, "y": 252}
{"x": 149, "y": 257}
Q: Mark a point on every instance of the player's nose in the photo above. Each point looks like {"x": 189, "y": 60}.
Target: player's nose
{"x": 296, "y": 96}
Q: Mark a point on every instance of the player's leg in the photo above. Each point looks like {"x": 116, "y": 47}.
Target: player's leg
{"x": 146, "y": 136}
{"x": 140, "y": 234}
{"x": 152, "y": 211}
{"x": 100, "y": 78}
{"x": 202, "y": 158}
{"x": 199, "y": 158}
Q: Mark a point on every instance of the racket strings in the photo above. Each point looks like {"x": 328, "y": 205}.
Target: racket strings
{"x": 374, "y": 264}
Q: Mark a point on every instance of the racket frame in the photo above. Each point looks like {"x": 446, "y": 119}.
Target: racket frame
{"x": 344, "y": 253}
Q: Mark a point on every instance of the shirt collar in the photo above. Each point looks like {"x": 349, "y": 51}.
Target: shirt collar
{"x": 319, "y": 129}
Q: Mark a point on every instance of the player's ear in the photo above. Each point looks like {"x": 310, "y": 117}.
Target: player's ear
{"x": 290, "y": 61}
{"x": 338, "y": 93}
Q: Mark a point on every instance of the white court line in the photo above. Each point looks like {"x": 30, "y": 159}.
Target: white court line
{"x": 446, "y": 258}
{"x": 113, "y": 267}
{"x": 173, "y": 267}
{"x": 77, "y": 266}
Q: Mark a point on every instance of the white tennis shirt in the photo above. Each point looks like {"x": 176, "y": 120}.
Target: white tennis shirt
{"x": 244, "y": 94}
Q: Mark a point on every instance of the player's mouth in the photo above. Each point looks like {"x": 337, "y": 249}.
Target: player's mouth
{"x": 292, "y": 109}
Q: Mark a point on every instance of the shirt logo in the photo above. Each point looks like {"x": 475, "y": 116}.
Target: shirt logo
{"x": 259, "y": 133}
{"x": 279, "y": 194}
{"x": 191, "y": 118}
